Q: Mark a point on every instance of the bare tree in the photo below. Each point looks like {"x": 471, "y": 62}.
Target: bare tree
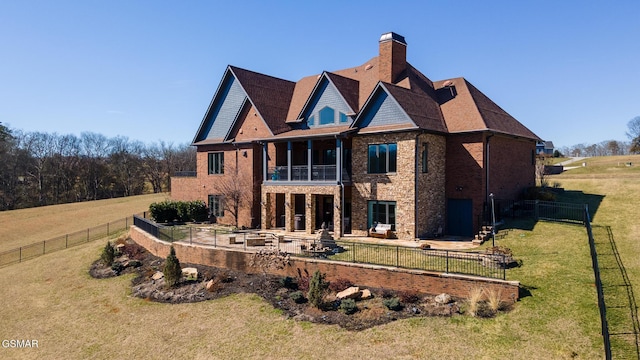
{"x": 234, "y": 189}
{"x": 613, "y": 147}
{"x": 541, "y": 162}
{"x": 634, "y": 134}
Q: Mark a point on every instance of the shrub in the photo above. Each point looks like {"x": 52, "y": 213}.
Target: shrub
{"x": 172, "y": 271}
{"x": 224, "y": 277}
{"x": 475, "y": 296}
{"x": 297, "y": 297}
{"x": 164, "y": 211}
{"x": 135, "y": 263}
{"x": 494, "y": 300}
{"x": 108, "y": 254}
{"x": 409, "y": 297}
{"x": 340, "y": 284}
{"x": 348, "y": 306}
{"x": 392, "y": 304}
{"x": 288, "y": 282}
{"x": 317, "y": 288}
{"x": 117, "y": 267}
{"x": 182, "y": 211}
{"x": 303, "y": 283}
{"x": 387, "y": 294}
{"x": 539, "y": 193}
{"x": 198, "y": 211}
{"x": 133, "y": 251}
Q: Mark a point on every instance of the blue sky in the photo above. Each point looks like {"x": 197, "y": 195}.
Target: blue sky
{"x": 568, "y": 70}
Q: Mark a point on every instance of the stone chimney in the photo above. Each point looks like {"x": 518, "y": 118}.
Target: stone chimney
{"x": 392, "y": 61}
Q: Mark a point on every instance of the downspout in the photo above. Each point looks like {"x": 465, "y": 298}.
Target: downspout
{"x": 415, "y": 186}
{"x": 341, "y": 183}
{"x": 487, "y": 172}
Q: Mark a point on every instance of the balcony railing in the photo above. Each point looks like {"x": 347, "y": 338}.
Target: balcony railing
{"x": 185, "y": 174}
{"x": 301, "y": 173}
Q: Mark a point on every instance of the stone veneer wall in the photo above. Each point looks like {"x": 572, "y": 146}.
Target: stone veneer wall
{"x": 401, "y": 186}
{"x": 268, "y": 198}
{"x": 431, "y": 207}
{"x": 361, "y": 274}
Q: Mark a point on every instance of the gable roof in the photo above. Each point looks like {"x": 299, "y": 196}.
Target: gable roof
{"x": 347, "y": 90}
{"x": 270, "y": 96}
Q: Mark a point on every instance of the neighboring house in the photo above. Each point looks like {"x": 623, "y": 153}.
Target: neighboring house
{"x": 544, "y": 148}
{"x": 376, "y": 143}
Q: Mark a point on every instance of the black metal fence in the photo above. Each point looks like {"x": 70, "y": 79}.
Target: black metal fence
{"x": 599, "y": 289}
{"x": 455, "y": 262}
{"x": 63, "y": 242}
{"x": 537, "y": 209}
{"x": 447, "y": 261}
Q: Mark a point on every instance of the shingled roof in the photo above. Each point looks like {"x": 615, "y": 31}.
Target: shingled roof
{"x": 271, "y": 96}
{"x": 469, "y": 110}
{"x": 446, "y": 106}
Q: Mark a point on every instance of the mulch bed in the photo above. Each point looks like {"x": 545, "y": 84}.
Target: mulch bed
{"x": 224, "y": 282}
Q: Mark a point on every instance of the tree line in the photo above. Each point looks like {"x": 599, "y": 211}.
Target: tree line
{"x": 609, "y": 147}
{"x": 38, "y": 168}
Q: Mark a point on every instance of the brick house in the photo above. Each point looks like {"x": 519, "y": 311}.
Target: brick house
{"x": 376, "y": 143}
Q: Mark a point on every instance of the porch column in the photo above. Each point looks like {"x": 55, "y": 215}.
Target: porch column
{"x": 309, "y": 159}
{"x": 337, "y": 212}
{"x": 264, "y": 162}
{"x": 289, "y": 160}
{"x": 312, "y": 212}
{"x": 265, "y": 211}
{"x": 338, "y": 160}
{"x": 309, "y": 218}
{"x": 288, "y": 212}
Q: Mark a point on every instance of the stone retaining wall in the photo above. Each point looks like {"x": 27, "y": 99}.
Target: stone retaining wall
{"x": 361, "y": 274}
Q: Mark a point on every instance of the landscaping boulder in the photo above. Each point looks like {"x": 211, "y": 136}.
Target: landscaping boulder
{"x": 210, "y": 285}
{"x": 157, "y": 276}
{"x": 443, "y": 299}
{"x": 366, "y": 294}
{"x": 350, "y": 293}
{"x": 190, "y": 273}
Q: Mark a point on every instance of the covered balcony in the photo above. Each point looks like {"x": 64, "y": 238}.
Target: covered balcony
{"x": 312, "y": 161}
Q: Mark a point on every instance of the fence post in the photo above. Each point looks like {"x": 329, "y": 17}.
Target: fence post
{"x": 353, "y": 253}
{"x": 536, "y": 210}
{"x": 44, "y": 247}
{"x": 20, "y": 258}
{"x": 107, "y": 229}
{"x": 397, "y": 256}
{"x": 66, "y": 241}
{"x": 215, "y": 238}
{"x": 504, "y": 267}
{"x": 87, "y": 235}
{"x": 190, "y": 235}
{"x": 446, "y": 253}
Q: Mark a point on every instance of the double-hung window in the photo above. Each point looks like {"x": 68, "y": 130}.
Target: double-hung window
{"x": 216, "y": 163}
{"x": 382, "y": 158}
{"x": 216, "y": 205}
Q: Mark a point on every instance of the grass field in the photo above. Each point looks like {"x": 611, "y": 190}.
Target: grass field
{"x": 54, "y": 300}
{"x": 27, "y": 226}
